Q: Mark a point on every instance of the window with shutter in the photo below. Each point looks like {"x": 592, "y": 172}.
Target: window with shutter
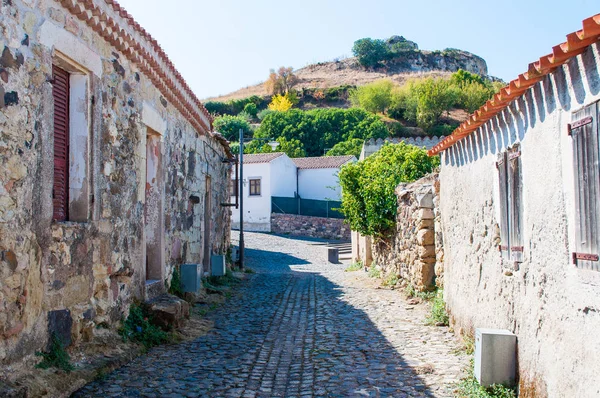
{"x": 503, "y": 189}
{"x": 513, "y": 168}
{"x": 584, "y": 132}
{"x": 60, "y": 190}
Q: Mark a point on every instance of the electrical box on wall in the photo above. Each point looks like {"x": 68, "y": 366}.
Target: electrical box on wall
{"x": 191, "y": 277}
{"x": 217, "y": 262}
{"x": 495, "y": 357}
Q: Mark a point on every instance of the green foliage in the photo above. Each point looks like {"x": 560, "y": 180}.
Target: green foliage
{"x": 350, "y": 147}
{"x": 262, "y": 114}
{"x": 318, "y": 129}
{"x": 461, "y": 77}
{"x": 229, "y": 126}
{"x": 175, "y": 287}
{"x": 227, "y": 280}
{"x": 56, "y": 357}
{"x": 370, "y": 52}
{"x": 234, "y": 106}
{"x": 374, "y": 272}
{"x": 293, "y": 147}
{"x": 470, "y": 388}
{"x": 355, "y": 266}
{"x": 438, "y": 315}
{"x": 368, "y": 199}
{"x": 412, "y": 292}
{"x": 374, "y": 97}
{"x": 472, "y": 90}
{"x": 138, "y": 328}
{"x": 391, "y": 280}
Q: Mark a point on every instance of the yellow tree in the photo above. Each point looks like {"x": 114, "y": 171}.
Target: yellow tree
{"x": 280, "y": 103}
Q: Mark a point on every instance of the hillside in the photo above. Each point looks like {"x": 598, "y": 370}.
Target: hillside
{"x": 348, "y": 72}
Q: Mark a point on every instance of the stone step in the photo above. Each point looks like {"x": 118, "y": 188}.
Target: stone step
{"x": 168, "y": 311}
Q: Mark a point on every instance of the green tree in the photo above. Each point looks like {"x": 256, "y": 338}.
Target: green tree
{"x": 293, "y": 148}
{"x": 351, "y": 147}
{"x": 251, "y": 109}
{"x": 370, "y": 52}
{"x": 374, "y": 97}
{"x": 368, "y": 187}
{"x": 229, "y": 126}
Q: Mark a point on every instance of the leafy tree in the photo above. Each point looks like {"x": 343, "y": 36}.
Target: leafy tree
{"x": 282, "y": 81}
{"x": 229, "y": 126}
{"x": 461, "y": 77}
{"x": 370, "y": 52}
{"x": 251, "y": 109}
{"x": 368, "y": 198}
{"x": 351, "y": 147}
{"x": 280, "y": 103}
{"x": 374, "y": 97}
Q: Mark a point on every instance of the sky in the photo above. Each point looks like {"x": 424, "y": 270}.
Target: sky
{"x": 220, "y": 46}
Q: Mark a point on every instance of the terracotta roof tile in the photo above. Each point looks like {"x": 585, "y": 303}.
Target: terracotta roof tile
{"x": 322, "y": 162}
{"x": 261, "y": 157}
{"x": 576, "y": 43}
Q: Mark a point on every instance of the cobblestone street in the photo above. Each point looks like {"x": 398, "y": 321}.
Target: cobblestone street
{"x": 300, "y": 328}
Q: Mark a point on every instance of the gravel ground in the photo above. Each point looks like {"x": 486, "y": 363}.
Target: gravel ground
{"x": 301, "y": 327}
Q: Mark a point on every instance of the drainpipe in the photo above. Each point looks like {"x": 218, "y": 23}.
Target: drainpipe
{"x": 298, "y": 189}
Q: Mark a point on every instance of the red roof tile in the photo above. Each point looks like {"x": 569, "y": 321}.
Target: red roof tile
{"x": 322, "y": 162}
{"x": 576, "y": 43}
{"x": 261, "y": 157}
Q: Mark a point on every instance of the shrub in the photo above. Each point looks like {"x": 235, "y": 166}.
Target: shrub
{"x": 262, "y": 114}
{"x": 438, "y": 316}
{"x": 370, "y": 52}
{"x": 374, "y": 97}
{"x": 355, "y": 266}
{"x": 374, "y": 272}
{"x": 469, "y": 387}
{"x": 229, "y": 126}
{"x": 56, "y": 357}
{"x": 138, "y": 328}
{"x": 368, "y": 199}
{"x": 251, "y": 109}
{"x": 350, "y": 147}
{"x": 175, "y": 287}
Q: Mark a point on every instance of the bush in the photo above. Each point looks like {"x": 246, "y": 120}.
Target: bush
{"x": 175, "y": 287}
{"x": 56, "y": 357}
{"x": 229, "y": 126}
{"x": 370, "y": 52}
{"x": 350, "y": 147}
{"x": 138, "y": 328}
{"x": 262, "y": 114}
{"x": 369, "y": 202}
{"x": 438, "y": 316}
{"x": 374, "y": 97}
{"x": 235, "y": 106}
{"x": 251, "y": 109}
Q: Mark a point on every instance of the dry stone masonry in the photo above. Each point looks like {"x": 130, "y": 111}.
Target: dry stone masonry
{"x": 145, "y": 182}
{"x": 314, "y": 227}
{"x": 414, "y": 253}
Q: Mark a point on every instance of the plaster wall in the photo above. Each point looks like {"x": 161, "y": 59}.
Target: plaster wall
{"x": 257, "y": 209}
{"x": 283, "y": 177}
{"x": 552, "y": 306}
{"x": 319, "y": 184}
{"x": 92, "y": 267}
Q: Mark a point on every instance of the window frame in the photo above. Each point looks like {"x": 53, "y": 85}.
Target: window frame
{"x": 510, "y": 178}
{"x": 250, "y": 181}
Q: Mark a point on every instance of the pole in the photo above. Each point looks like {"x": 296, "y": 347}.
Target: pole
{"x": 241, "y": 193}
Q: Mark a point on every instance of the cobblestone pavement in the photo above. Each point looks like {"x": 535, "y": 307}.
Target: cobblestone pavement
{"x": 300, "y": 328}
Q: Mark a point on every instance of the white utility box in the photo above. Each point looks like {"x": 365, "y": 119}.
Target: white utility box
{"x": 495, "y": 357}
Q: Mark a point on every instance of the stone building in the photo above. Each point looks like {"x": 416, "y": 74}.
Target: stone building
{"x": 520, "y": 205}
{"x": 110, "y": 175}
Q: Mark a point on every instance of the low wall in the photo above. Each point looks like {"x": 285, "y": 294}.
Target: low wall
{"x": 416, "y": 247}
{"x": 314, "y": 227}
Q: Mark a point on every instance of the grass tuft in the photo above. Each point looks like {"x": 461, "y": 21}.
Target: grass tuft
{"x": 412, "y": 292}
{"x": 391, "y": 280}
{"x": 438, "y": 315}
{"x": 470, "y": 388}
{"x": 355, "y": 266}
{"x": 56, "y": 357}
{"x": 374, "y": 272}
{"x": 138, "y": 328}
{"x": 175, "y": 288}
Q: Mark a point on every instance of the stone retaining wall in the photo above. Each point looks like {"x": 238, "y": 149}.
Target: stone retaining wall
{"x": 314, "y": 227}
{"x": 415, "y": 252}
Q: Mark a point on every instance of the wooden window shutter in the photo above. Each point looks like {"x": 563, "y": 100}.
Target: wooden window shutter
{"x": 60, "y": 191}
{"x": 515, "y": 205}
{"x": 503, "y": 189}
{"x": 584, "y": 131}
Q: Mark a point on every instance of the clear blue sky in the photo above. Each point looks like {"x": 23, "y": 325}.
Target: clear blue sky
{"x": 222, "y": 45}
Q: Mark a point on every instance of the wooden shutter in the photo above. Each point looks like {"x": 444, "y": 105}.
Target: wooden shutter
{"x": 584, "y": 131}
{"x": 503, "y": 189}
{"x": 60, "y": 191}
{"x": 515, "y": 193}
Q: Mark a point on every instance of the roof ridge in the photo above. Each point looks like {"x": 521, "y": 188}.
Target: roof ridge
{"x": 576, "y": 43}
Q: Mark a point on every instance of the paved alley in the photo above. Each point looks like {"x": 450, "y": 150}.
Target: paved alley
{"x": 300, "y": 328}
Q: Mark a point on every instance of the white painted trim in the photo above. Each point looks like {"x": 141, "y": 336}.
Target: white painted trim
{"x": 57, "y": 38}
{"x": 152, "y": 119}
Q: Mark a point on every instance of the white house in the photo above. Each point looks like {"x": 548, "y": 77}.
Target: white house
{"x": 268, "y": 175}
{"x": 265, "y": 175}
{"x": 318, "y": 176}
{"x": 520, "y": 212}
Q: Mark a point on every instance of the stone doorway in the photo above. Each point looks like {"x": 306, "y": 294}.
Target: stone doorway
{"x": 153, "y": 210}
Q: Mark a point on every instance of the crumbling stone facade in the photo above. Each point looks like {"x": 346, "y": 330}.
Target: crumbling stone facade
{"x": 146, "y": 176}
{"x": 414, "y": 253}
{"x": 314, "y": 227}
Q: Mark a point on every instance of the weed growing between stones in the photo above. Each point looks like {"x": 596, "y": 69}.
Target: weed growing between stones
{"x": 56, "y": 357}
{"x": 138, "y": 328}
{"x": 438, "y": 315}
{"x": 355, "y": 266}
{"x": 411, "y": 292}
{"x": 227, "y": 280}
{"x": 175, "y": 288}
{"x": 391, "y": 280}
{"x": 470, "y": 388}
{"x": 249, "y": 271}
{"x": 374, "y": 272}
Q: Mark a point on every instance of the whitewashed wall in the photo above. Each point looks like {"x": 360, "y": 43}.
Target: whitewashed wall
{"x": 553, "y": 307}
{"x": 283, "y": 177}
{"x": 319, "y": 184}
{"x": 257, "y": 209}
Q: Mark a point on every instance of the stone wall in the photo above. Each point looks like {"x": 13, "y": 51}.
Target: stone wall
{"x": 85, "y": 272}
{"x": 413, "y": 251}
{"x": 314, "y": 227}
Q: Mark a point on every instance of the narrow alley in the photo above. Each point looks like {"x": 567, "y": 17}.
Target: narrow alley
{"x": 300, "y": 327}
